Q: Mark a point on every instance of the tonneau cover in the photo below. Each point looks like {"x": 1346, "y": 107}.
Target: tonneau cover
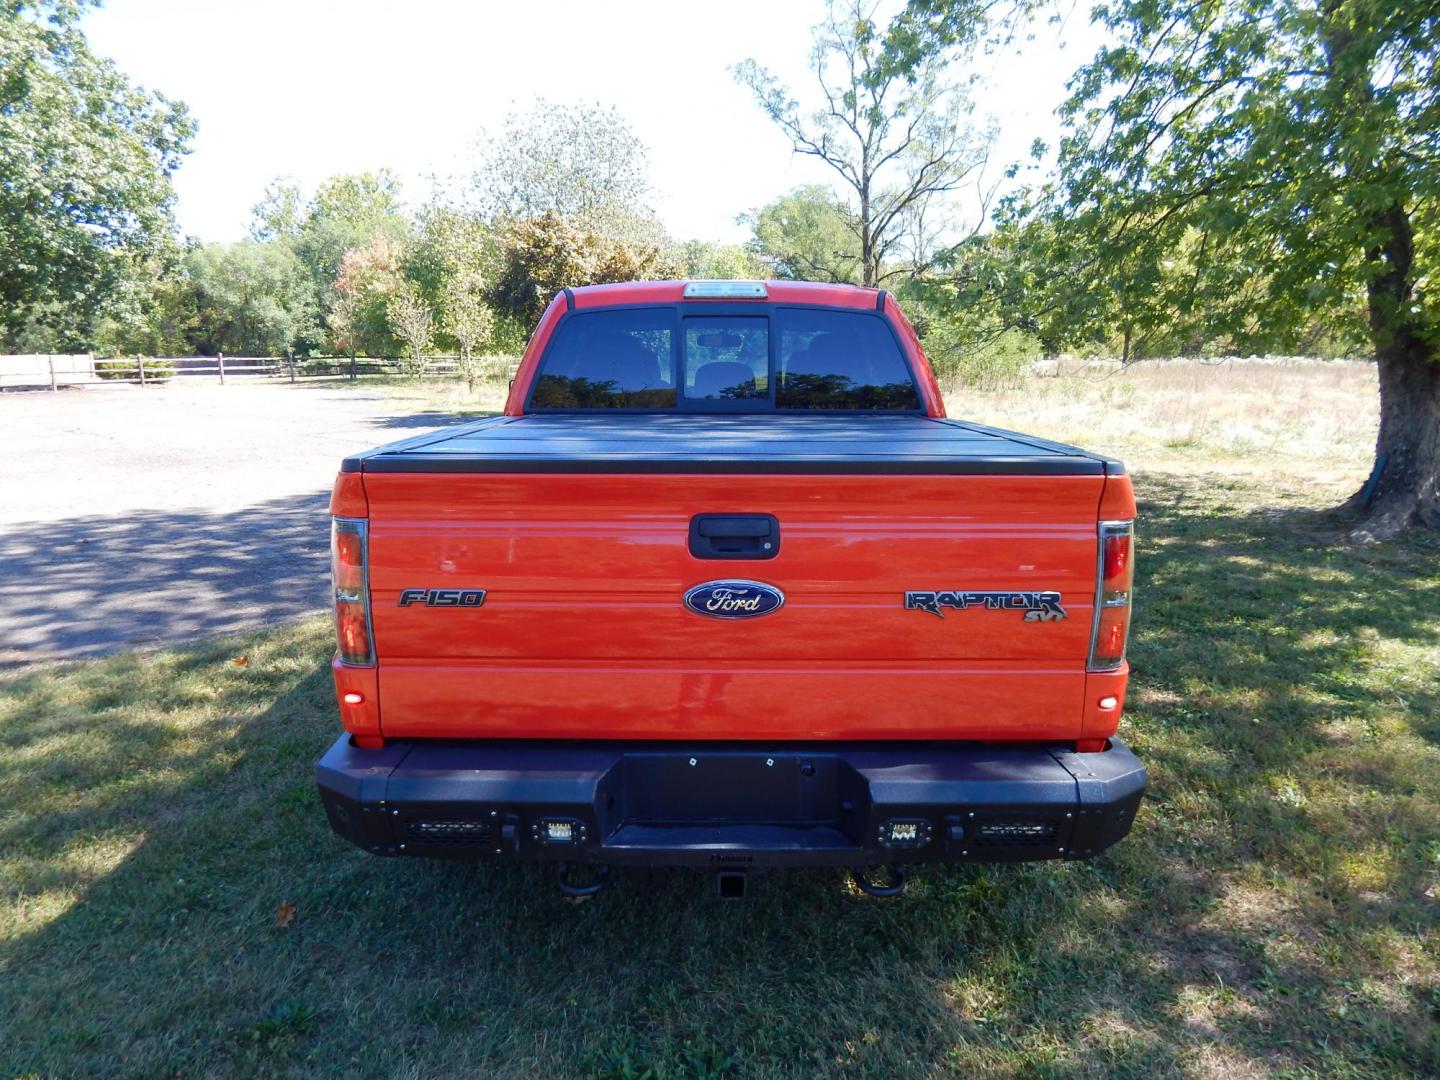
{"x": 760, "y": 443}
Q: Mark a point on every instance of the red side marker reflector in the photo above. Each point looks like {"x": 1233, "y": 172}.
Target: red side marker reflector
{"x": 353, "y": 698}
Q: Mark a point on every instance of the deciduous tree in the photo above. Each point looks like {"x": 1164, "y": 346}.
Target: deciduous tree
{"x": 580, "y": 163}
{"x": 357, "y": 315}
{"x": 85, "y": 164}
{"x": 154, "y": 312}
{"x": 280, "y": 214}
{"x": 252, "y": 299}
{"x": 413, "y": 322}
{"x": 703, "y": 259}
{"x": 348, "y": 212}
{"x": 451, "y": 262}
{"x": 1295, "y": 148}
{"x": 450, "y": 241}
{"x": 807, "y": 235}
{"x": 1301, "y": 143}
{"x": 467, "y": 318}
{"x": 897, "y": 140}
{"x": 547, "y": 253}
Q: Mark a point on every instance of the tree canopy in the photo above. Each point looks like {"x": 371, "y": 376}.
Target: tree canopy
{"x": 85, "y": 164}
{"x": 1259, "y": 170}
{"x": 581, "y": 163}
{"x": 705, "y": 259}
{"x": 547, "y": 253}
{"x": 348, "y": 212}
{"x": 453, "y": 259}
{"x": 252, "y": 299}
{"x": 1293, "y": 151}
{"x": 807, "y": 234}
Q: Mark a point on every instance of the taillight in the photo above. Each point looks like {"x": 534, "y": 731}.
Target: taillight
{"x": 1116, "y": 573}
{"x": 348, "y": 554}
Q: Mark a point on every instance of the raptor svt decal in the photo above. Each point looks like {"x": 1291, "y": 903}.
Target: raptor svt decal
{"x": 1038, "y": 606}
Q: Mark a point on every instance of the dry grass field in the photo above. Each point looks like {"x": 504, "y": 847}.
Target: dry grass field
{"x": 1276, "y": 911}
{"x": 1247, "y": 418}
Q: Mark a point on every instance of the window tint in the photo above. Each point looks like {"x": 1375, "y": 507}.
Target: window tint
{"x": 727, "y": 359}
{"x": 664, "y": 358}
{"x": 840, "y": 360}
{"x": 610, "y": 360}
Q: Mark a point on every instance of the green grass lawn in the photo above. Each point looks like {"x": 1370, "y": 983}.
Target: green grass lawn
{"x": 1276, "y": 910}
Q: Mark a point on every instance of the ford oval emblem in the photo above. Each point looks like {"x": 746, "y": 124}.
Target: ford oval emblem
{"x": 734, "y": 599}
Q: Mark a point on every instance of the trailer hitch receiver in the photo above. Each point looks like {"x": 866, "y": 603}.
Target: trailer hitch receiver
{"x": 895, "y": 886}
{"x": 731, "y": 884}
{"x": 570, "y": 888}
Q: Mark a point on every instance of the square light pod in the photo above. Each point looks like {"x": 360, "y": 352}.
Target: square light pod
{"x": 904, "y": 833}
{"x": 559, "y": 832}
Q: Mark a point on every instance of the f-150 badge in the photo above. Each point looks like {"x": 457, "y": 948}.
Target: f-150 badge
{"x": 734, "y": 599}
{"x": 1037, "y": 606}
{"x": 442, "y": 597}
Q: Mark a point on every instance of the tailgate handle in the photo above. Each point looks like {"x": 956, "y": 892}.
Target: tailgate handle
{"x": 734, "y": 536}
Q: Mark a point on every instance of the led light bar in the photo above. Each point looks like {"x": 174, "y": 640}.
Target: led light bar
{"x": 1016, "y": 831}
{"x": 725, "y": 290}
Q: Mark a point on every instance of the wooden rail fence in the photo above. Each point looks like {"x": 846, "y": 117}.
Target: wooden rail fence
{"x": 40, "y": 371}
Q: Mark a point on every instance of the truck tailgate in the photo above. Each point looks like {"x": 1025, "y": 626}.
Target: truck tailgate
{"x": 583, "y": 549}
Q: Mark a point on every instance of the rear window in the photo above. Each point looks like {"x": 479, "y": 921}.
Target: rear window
{"x": 610, "y": 360}
{"x": 840, "y": 360}
{"x": 727, "y": 359}
{"x": 740, "y": 360}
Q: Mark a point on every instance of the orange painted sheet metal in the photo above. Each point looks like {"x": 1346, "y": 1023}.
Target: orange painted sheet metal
{"x": 1100, "y": 686}
{"x": 583, "y": 632}
{"x": 760, "y": 701}
{"x": 592, "y": 567}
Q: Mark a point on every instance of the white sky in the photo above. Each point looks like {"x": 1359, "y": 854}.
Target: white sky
{"x": 311, "y": 88}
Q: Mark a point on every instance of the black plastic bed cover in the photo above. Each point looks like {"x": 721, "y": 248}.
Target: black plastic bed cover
{"x": 758, "y": 443}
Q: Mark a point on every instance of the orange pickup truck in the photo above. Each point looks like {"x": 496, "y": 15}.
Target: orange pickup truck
{"x": 724, "y": 587}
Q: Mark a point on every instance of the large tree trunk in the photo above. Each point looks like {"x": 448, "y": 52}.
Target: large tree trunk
{"x": 1404, "y": 486}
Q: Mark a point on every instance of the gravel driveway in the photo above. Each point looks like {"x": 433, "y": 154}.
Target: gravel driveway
{"x": 133, "y": 517}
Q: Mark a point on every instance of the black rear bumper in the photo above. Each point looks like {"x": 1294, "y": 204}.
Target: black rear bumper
{"x": 736, "y": 804}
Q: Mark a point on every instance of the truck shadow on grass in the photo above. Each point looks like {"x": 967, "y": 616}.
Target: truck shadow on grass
{"x": 86, "y": 586}
{"x": 1271, "y": 912}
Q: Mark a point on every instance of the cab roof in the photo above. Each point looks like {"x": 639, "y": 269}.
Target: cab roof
{"x": 778, "y": 292}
